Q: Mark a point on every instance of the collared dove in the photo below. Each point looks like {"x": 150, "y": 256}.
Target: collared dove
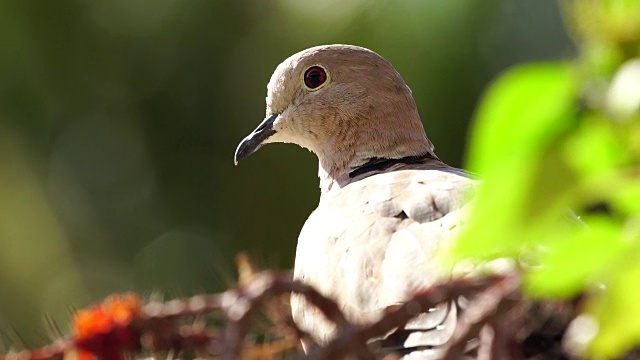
{"x": 388, "y": 205}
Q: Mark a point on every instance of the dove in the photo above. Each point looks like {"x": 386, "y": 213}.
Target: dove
{"x": 389, "y": 207}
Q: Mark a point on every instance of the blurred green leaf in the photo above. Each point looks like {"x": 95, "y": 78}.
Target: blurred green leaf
{"x": 618, "y": 311}
{"x": 572, "y": 259}
{"x": 538, "y": 157}
{"x": 521, "y": 113}
{"x": 607, "y": 32}
{"x": 604, "y": 21}
{"x": 521, "y": 118}
{"x": 627, "y": 198}
{"x": 595, "y": 148}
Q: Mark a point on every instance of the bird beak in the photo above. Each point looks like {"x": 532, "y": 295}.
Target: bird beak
{"x": 254, "y": 141}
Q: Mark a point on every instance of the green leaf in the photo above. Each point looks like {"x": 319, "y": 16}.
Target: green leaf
{"x": 618, "y": 314}
{"x": 520, "y": 121}
{"x": 521, "y": 113}
{"x": 595, "y": 148}
{"x": 574, "y": 258}
{"x": 627, "y": 197}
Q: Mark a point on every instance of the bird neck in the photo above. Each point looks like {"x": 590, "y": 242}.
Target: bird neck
{"x": 341, "y": 163}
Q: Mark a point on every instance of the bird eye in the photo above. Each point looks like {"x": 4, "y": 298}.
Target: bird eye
{"x": 314, "y": 77}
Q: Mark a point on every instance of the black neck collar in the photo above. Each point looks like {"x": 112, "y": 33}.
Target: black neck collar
{"x": 381, "y": 164}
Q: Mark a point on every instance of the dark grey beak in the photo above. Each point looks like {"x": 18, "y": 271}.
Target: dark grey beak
{"x": 254, "y": 141}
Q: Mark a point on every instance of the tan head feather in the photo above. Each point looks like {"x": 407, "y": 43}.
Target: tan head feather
{"x": 363, "y": 110}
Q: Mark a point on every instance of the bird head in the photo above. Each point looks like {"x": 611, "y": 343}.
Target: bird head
{"x": 346, "y": 104}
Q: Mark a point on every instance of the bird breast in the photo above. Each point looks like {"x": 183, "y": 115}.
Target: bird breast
{"x": 373, "y": 243}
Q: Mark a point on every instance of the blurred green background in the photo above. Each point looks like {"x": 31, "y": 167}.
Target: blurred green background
{"x": 119, "y": 120}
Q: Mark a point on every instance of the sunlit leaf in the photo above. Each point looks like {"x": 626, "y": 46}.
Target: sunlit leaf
{"x": 521, "y": 113}
{"x": 618, "y": 313}
{"x": 575, "y": 258}
{"x": 627, "y": 198}
{"x": 595, "y": 149}
{"x": 604, "y": 21}
{"x": 520, "y": 119}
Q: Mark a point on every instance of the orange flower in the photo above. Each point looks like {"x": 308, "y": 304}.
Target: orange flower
{"x": 122, "y": 308}
{"x": 89, "y": 323}
{"x": 105, "y": 330}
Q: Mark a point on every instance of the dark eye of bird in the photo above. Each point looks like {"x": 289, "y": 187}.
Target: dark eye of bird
{"x": 314, "y": 77}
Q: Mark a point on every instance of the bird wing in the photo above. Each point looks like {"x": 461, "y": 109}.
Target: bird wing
{"x": 376, "y": 241}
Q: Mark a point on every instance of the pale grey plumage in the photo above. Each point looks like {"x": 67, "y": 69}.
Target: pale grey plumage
{"x": 378, "y": 240}
{"x": 389, "y": 207}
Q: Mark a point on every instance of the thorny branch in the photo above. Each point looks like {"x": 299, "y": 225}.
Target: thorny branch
{"x": 176, "y": 328}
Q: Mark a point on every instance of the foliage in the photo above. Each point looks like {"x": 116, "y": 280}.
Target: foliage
{"x": 550, "y": 137}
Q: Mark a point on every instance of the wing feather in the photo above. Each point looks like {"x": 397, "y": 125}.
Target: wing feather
{"x": 375, "y": 242}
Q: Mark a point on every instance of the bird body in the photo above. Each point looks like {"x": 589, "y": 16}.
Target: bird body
{"x": 389, "y": 207}
{"x": 375, "y": 242}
